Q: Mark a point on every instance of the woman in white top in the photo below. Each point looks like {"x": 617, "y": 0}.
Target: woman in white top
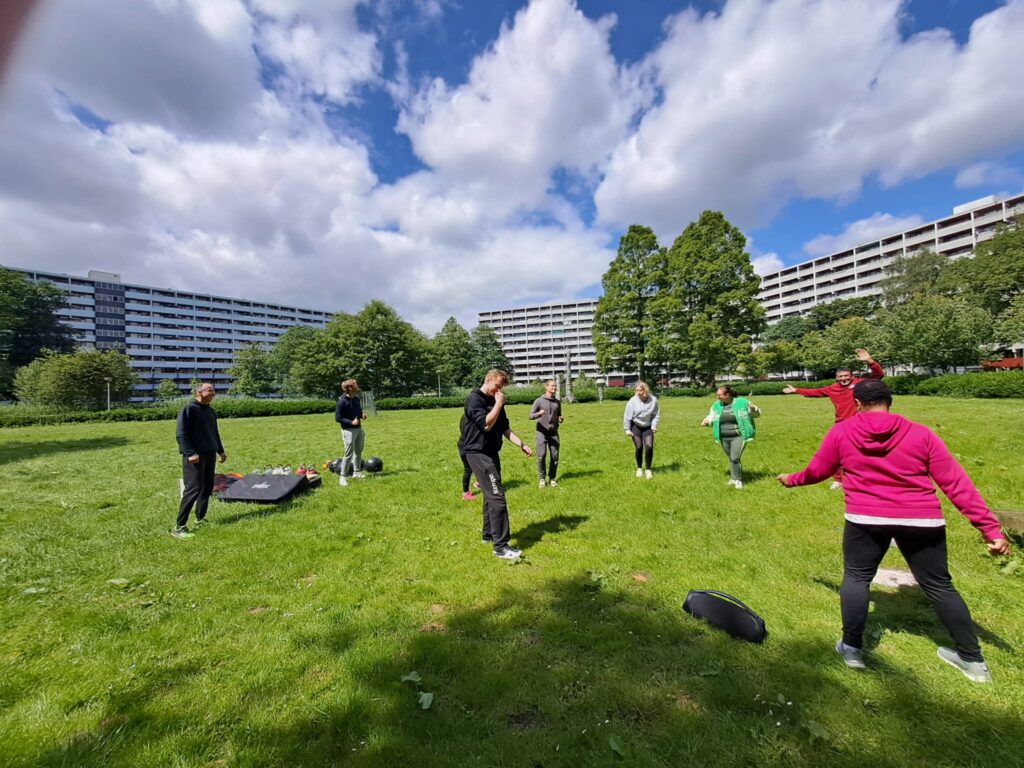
{"x": 641, "y": 422}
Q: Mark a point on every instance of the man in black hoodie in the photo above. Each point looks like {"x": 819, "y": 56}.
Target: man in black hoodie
{"x": 199, "y": 444}
{"x": 483, "y": 427}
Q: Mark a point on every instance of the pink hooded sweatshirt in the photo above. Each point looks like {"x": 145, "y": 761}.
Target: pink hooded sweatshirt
{"x": 889, "y": 464}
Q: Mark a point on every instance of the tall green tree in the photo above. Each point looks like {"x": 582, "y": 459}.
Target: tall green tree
{"x": 936, "y": 332}
{"x": 76, "y": 380}
{"x": 387, "y": 355}
{"x": 824, "y": 315}
{"x": 1009, "y": 327}
{"x": 791, "y": 329}
{"x": 29, "y": 323}
{"x": 707, "y": 311}
{"x": 252, "y": 373}
{"x": 287, "y": 350}
{"x": 624, "y": 326}
{"x": 910, "y": 276}
{"x": 450, "y": 354}
{"x": 487, "y": 353}
{"x": 994, "y": 276}
{"x": 836, "y": 346}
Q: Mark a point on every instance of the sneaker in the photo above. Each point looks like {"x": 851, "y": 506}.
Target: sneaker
{"x": 182, "y": 533}
{"x": 200, "y": 522}
{"x": 358, "y": 475}
{"x": 973, "y": 670}
{"x": 836, "y": 485}
{"x": 509, "y": 554}
{"x": 854, "y": 657}
{"x": 342, "y": 480}
{"x": 737, "y": 484}
{"x": 541, "y": 484}
{"x": 467, "y": 496}
{"x": 552, "y": 484}
{"x": 648, "y": 474}
{"x": 639, "y": 472}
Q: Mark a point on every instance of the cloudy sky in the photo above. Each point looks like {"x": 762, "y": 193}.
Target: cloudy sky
{"x": 449, "y": 156}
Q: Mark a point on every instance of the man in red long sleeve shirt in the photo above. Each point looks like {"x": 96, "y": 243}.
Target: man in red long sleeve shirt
{"x": 841, "y": 394}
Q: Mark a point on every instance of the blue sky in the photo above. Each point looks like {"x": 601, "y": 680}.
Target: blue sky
{"x": 453, "y": 156}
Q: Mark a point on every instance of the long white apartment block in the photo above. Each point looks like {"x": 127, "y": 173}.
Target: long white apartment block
{"x": 540, "y": 340}
{"x": 858, "y": 271}
{"x": 169, "y": 334}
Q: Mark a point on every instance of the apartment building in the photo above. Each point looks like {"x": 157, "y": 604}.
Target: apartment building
{"x": 858, "y": 271}
{"x": 169, "y": 334}
{"x": 541, "y": 341}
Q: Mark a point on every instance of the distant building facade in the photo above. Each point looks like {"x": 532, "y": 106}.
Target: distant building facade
{"x": 858, "y": 271}
{"x": 169, "y": 334}
{"x": 541, "y": 341}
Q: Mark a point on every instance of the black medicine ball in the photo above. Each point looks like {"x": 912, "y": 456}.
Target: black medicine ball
{"x": 373, "y": 464}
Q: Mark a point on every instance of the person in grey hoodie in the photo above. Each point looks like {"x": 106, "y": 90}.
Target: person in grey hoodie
{"x": 640, "y": 422}
{"x": 547, "y": 411}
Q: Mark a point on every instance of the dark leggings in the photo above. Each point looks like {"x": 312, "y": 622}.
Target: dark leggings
{"x": 924, "y": 549}
{"x": 467, "y": 472}
{"x": 643, "y": 442}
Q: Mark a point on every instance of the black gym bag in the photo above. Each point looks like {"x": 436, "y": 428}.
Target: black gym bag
{"x": 727, "y": 613}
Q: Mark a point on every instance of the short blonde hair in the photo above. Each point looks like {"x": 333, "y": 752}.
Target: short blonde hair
{"x": 497, "y": 373}
{"x": 349, "y": 385}
{"x": 643, "y": 386}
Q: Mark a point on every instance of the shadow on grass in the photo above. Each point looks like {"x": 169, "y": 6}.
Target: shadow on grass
{"x": 906, "y": 609}
{"x": 568, "y": 672}
{"x": 534, "y": 532}
{"x": 22, "y": 451}
{"x": 574, "y": 473}
{"x": 251, "y": 510}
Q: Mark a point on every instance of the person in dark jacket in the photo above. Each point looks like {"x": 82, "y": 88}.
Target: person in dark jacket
{"x": 349, "y": 414}
{"x": 484, "y": 426}
{"x": 199, "y": 444}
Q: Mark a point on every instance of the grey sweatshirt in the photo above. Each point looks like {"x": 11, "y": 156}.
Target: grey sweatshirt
{"x": 550, "y": 406}
{"x": 640, "y": 413}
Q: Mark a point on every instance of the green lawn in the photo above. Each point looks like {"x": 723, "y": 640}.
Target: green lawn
{"x": 281, "y": 636}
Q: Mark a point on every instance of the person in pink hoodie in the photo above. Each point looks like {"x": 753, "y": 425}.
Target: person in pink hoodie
{"x": 890, "y": 465}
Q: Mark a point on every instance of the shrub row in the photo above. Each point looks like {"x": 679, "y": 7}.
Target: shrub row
{"x": 227, "y": 408}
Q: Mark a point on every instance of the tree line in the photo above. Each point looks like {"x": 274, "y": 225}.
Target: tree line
{"x": 691, "y": 310}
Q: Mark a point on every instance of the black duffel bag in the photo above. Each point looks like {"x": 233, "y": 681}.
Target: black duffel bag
{"x": 727, "y": 613}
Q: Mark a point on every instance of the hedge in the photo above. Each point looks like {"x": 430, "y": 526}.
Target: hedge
{"x": 227, "y": 408}
{"x": 980, "y": 385}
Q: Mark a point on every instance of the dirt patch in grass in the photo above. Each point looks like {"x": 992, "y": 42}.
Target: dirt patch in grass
{"x": 526, "y": 721}
{"x": 433, "y": 626}
{"x": 642, "y": 577}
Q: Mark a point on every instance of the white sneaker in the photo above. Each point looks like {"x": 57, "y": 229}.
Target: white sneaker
{"x": 552, "y": 484}
{"x": 854, "y": 657}
{"x": 541, "y": 484}
{"x": 648, "y": 474}
{"x": 509, "y": 554}
{"x": 973, "y": 670}
{"x": 342, "y": 480}
{"x": 737, "y": 484}
{"x": 836, "y": 485}
{"x": 358, "y": 475}
{"x": 639, "y": 473}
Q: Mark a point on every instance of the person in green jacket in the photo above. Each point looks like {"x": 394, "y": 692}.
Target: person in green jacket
{"x": 732, "y": 421}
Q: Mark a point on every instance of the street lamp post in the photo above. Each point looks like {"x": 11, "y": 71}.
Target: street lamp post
{"x": 108, "y": 380}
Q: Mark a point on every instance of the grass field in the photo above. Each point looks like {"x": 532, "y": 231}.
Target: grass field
{"x": 281, "y": 636}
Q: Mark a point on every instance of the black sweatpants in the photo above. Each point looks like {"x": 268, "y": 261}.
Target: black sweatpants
{"x": 643, "y": 442}
{"x": 924, "y": 549}
{"x": 488, "y": 474}
{"x": 467, "y": 472}
{"x": 198, "y": 486}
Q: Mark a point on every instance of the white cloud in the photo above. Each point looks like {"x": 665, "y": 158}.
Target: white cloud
{"x": 767, "y": 101}
{"x": 989, "y": 175}
{"x": 874, "y": 227}
{"x": 767, "y": 263}
{"x": 219, "y": 171}
{"x": 546, "y": 94}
